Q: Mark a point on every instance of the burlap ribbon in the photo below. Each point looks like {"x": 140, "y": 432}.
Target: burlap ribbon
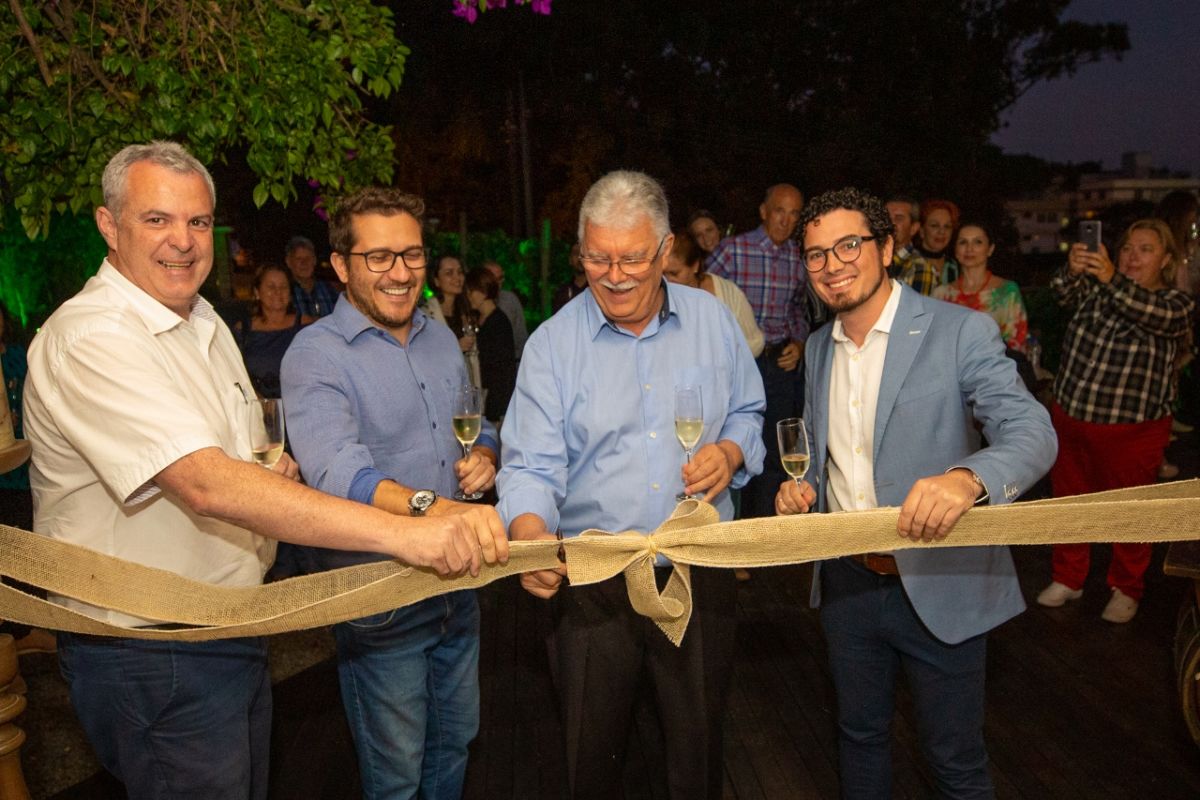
{"x": 691, "y": 536}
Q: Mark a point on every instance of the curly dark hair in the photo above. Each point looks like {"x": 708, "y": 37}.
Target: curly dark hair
{"x": 851, "y": 199}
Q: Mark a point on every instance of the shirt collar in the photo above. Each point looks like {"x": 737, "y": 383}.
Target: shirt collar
{"x": 883, "y": 324}
{"x": 350, "y": 322}
{"x": 759, "y": 236}
{"x": 158, "y": 318}
{"x": 597, "y": 321}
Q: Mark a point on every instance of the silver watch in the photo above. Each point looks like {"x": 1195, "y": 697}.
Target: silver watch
{"x": 421, "y": 501}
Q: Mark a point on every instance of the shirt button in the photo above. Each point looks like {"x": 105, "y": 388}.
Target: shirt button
{"x": 861, "y": 496}
{"x": 854, "y": 357}
{"x": 435, "y": 426}
{"x": 858, "y": 450}
{"x": 653, "y": 435}
{"x": 654, "y": 486}
{"x": 443, "y": 463}
{"x": 422, "y": 386}
{"x": 854, "y": 404}
{"x": 647, "y": 387}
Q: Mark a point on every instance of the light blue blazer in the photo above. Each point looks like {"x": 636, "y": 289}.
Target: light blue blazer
{"x": 945, "y": 368}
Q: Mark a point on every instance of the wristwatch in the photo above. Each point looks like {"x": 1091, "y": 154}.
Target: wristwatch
{"x": 421, "y": 501}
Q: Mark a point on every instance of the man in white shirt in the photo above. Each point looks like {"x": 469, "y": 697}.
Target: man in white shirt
{"x": 894, "y": 389}
{"x": 137, "y": 406}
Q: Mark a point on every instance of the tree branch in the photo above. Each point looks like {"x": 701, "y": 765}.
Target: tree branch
{"x": 27, "y": 32}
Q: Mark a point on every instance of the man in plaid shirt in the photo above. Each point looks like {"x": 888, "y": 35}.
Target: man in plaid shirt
{"x": 767, "y": 265}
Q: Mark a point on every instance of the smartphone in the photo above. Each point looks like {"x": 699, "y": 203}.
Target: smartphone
{"x": 1089, "y": 234}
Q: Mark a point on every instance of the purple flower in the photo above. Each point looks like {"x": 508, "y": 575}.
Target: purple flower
{"x": 466, "y": 9}
{"x": 541, "y": 7}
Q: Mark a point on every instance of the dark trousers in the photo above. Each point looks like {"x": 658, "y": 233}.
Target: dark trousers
{"x": 604, "y": 650}
{"x": 785, "y": 398}
{"x": 174, "y": 719}
{"x": 872, "y": 631}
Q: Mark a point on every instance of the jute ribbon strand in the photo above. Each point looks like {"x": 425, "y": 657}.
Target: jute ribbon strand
{"x": 691, "y": 536}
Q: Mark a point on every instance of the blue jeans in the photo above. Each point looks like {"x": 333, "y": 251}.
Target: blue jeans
{"x": 174, "y": 719}
{"x": 410, "y": 686}
{"x": 871, "y": 630}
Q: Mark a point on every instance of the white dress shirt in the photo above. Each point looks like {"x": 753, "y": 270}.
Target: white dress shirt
{"x": 853, "y": 395}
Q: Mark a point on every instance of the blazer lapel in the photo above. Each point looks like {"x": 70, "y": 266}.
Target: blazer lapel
{"x": 820, "y": 417}
{"x": 909, "y": 328}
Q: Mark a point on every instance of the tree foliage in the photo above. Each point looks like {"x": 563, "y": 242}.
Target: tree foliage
{"x": 283, "y": 81}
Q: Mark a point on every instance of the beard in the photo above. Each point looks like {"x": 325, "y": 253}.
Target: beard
{"x": 843, "y": 303}
{"x": 362, "y": 298}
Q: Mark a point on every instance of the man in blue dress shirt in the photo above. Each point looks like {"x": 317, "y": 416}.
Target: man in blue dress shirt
{"x": 589, "y": 443}
{"x": 369, "y": 392}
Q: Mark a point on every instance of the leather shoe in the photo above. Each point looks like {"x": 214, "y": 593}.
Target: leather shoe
{"x": 1056, "y": 594}
{"x": 1121, "y": 607}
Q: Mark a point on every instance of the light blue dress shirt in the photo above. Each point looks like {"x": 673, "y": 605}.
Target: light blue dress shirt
{"x": 361, "y": 407}
{"x": 589, "y": 438}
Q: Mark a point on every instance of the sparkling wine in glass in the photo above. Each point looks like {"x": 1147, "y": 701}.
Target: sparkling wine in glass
{"x": 689, "y": 425}
{"x": 467, "y": 420}
{"x": 266, "y": 430}
{"x": 793, "y": 446}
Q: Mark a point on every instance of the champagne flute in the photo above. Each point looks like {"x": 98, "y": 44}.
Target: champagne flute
{"x": 467, "y": 421}
{"x": 793, "y": 447}
{"x": 266, "y": 430}
{"x": 689, "y": 425}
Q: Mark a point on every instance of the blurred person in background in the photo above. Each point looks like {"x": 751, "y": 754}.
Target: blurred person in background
{"x": 702, "y": 225}
{"x": 939, "y": 221}
{"x": 1113, "y": 392}
{"x": 447, "y": 279}
{"x": 497, "y": 356}
{"x": 685, "y": 265}
{"x": 510, "y": 304}
{"x": 564, "y": 294}
{"x": 908, "y": 265}
{"x": 978, "y": 288}
{"x": 274, "y": 321}
{"x": 313, "y": 297}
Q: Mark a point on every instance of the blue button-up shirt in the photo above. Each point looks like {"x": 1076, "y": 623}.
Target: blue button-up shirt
{"x": 589, "y": 438}
{"x": 361, "y": 407}
{"x": 773, "y": 278}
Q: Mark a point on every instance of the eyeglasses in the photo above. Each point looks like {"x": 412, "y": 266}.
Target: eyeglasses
{"x": 847, "y": 251}
{"x": 384, "y": 260}
{"x": 630, "y": 265}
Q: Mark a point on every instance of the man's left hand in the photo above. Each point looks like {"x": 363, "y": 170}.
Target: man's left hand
{"x": 476, "y": 472}
{"x": 934, "y": 505}
{"x": 790, "y": 356}
{"x": 709, "y": 471}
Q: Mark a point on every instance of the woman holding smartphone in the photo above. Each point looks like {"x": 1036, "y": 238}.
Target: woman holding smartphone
{"x": 1113, "y": 392}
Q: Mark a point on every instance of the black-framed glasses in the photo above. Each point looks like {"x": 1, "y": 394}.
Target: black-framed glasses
{"x": 630, "y": 265}
{"x": 847, "y": 251}
{"x": 383, "y": 260}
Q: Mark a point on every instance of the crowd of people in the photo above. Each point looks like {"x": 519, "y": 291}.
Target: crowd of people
{"x": 857, "y": 313}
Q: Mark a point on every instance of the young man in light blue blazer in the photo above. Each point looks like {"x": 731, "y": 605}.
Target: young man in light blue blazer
{"x": 898, "y": 389}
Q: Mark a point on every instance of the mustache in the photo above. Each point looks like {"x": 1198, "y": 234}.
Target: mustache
{"x": 618, "y": 287}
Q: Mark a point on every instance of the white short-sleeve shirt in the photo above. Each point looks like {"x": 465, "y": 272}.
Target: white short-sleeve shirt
{"x": 120, "y": 387}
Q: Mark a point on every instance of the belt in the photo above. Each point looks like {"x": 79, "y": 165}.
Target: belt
{"x": 877, "y": 563}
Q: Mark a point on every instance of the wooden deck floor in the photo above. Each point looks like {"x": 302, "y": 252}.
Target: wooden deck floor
{"x": 1076, "y": 708}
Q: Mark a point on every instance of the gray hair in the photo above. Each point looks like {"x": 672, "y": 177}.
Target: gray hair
{"x": 621, "y": 198}
{"x": 164, "y": 154}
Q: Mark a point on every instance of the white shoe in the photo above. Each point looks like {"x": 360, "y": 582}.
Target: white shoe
{"x": 1056, "y": 594}
{"x": 1121, "y": 607}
